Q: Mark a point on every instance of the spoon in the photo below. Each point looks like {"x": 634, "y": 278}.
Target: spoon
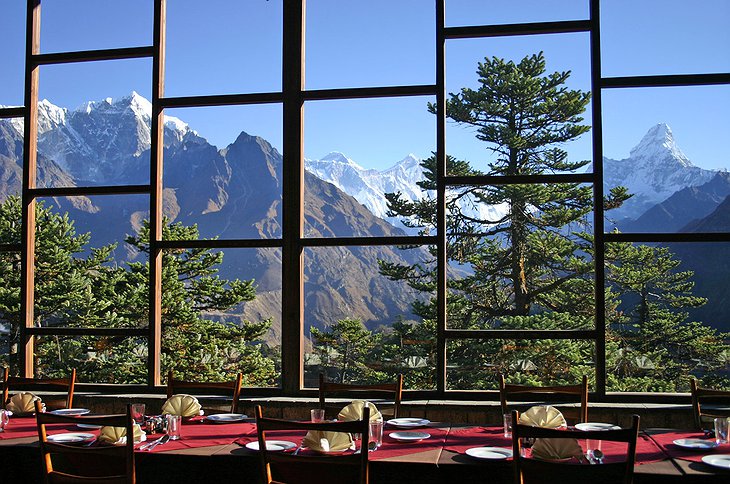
{"x": 598, "y": 455}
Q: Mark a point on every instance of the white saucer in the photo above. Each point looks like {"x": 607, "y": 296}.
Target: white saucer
{"x": 720, "y": 460}
{"x": 596, "y": 426}
{"x": 70, "y": 411}
{"x": 71, "y": 438}
{"x": 272, "y": 445}
{"x": 698, "y": 444}
{"x": 226, "y": 417}
{"x": 489, "y": 453}
{"x": 88, "y": 426}
{"x": 409, "y": 436}
{"x": 406, "y": 423}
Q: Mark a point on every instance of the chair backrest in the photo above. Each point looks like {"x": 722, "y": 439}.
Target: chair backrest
{"x": 711, "y": 399}
{"x": 580, "y": 391}
{"x": 528, "y": 470}
{"x": 389, "y": 392}
{"x": 35, "y": 385}
{"x": 356, "y": 462}
{"x": 228, "y": 388}
{"x": 113, "y": 464}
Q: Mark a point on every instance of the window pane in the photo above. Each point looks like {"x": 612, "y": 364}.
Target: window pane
{"x": 655, "y": 37}
{"x": 666, "y": 146}
{"x": 221, "y": 313}
{"x": 95, "y": 25}
{"x": 479, "y": 12}
{"x": 10, "y": 277}
{"x": 365, "y": 319}
{"x": 342, "y": 134}
{"x": 477, "y": 364}
{"x": 479, "y": 135}
{"x": 94, "y": 124}
{"x": 366, "y": 44}
{"x": 223, "y": 47}
{"x": 665, "y": 315}
{"x": 11, "y": 157}
{"x": 12, "y": 51}
{"x": 221, "y": 171}
{"x": 520, "y": 257}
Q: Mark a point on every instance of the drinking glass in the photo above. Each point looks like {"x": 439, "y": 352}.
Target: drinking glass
{"x": 507, "y": 420}
{"x": 376, "y": 434}
{"x": 317, "y": 414}
{"x": 721, "y": 430}
{"x": 4, "y": 419}
{"x": 174, "y": 422}
{"x": 138, "y": 413}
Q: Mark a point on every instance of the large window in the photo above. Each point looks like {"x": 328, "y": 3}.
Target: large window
{"x": 440, "y": 189}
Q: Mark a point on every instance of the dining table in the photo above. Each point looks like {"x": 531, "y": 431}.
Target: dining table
{"x": 221, "y": 451}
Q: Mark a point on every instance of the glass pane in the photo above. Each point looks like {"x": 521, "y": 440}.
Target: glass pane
{"x": 366, "y": 44}
{"x": 12, "y": 51}
{"x": 364, "y": 315}
{"x": 221, "y": 313}
{"x": 223, "y": 47}
{"x": 520, "y": 257}
{"x": 90, "y": 25}
{"x": 11, "y": 157}
{"x": 10, "y": 315}
{"x": 480, "y": 109}
{"x": 476, "y": 364}
{"x": 363, "y": 169}
{"x": 94, "y": 123}
{"x": 97, "y": 359}
{"x": 655, "y": 37}
{"x": 665, "y": 145}
{"x": 221, "y": 171}
{"x": 666, "y": 316}
{"x": 479, "y": 12}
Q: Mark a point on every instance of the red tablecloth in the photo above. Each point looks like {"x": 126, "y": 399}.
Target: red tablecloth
{"x": 23, "y": 427}
{"x": 665, "y": 441}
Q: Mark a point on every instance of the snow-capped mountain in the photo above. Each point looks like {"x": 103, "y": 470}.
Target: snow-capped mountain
{"x": 655, "y": 169}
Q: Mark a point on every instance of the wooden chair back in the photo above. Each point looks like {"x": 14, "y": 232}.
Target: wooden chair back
{"x": 708, "y": 404}
{"x": 356, "y": 463}
{"x": 38, "y": 385}
{"x": 230, "y": 389}
{"x": 530, "y": 470}
{"x": 96, "y": 463}
{"x": 387, "y": 395}
{"x": 580, "y": 392}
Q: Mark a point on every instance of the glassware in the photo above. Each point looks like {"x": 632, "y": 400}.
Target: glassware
{"x": 507, "y": 420}
{"x": 721, "y": 430}
{"x": 317, "y": 414}
{"x": 138, "y": 412}
{"x": 4, "y": 419}
{"x": 376, "y": 434}
{"x": 174, "y": 422}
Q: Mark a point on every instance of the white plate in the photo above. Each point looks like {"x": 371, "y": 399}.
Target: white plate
{"x": 596, "y": 426}
{"x": 272, "y": 445}
{"x": 490, "y": 453}
{"x": 695, "y": 443}
{"x": 88, "y": 426}
{"x": 409, "y": 436}
{"x": 408, "y": 422}
{"x": 226, "y": 417}
{"x": 71, "y": 411}
{"x": 71, "y": 438}
{"x": 720, "y": 460}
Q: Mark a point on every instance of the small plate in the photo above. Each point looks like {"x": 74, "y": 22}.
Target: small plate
{"x": 720, "y": 460}
{"x": 698, "y": 444}
{"x": 596, "y": 426}
{"x": 71, "y": 411}
{"x": 408, "y": 422}
{"x": 409, "y": 436}
{"x": 226, "y": 417}
{"x": 272, "y": 445}
{"x": 490, "y": 453}
{"x": 71, "y": 438}
{"x": 88, "y": 426}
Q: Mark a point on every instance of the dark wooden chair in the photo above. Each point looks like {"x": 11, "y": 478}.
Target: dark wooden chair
{"x": 38, "y": 386}
{"x": 534, "y": 393}
{"x": 94, "y": 464}
{"x": 387, "y": 395}
{"x": 227, "y": 389}
{"x": 345, "y": 468}
{"x": 530, "y": 470}
{"x": 708, "y": 404}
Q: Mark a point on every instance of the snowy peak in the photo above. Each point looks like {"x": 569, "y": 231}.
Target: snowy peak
{"x": 337, "y": 157}
{"x": 658, "y": 143}
{"x": 50, "y": 116}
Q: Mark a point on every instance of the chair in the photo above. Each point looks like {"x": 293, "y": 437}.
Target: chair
{"x": 528, "y": 470}
{"x": 580, "y": 391}
{"x": 38, "y": 385}
{"x": 294, "y": 465}
{"x": 709, "y": 398}
{"x": 391, "y": 391}
{"x": 108, "y": 464}
{"x": 232, "y": 388}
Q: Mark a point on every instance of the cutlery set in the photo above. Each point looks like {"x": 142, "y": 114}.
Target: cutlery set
{"x": 162, "y": 440}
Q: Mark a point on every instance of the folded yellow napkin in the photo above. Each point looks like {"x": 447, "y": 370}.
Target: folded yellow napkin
{"x": 118, "y": 435}
{"x": 326, "y": 441}
{"x": 543, "y": 416}
{"x": 181, "y": 404}
{"x": 23, "y": 402}
{"x": 354, "y": 410}
{"x": 552, "y": 449}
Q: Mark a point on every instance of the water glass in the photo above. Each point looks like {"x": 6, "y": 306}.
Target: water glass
{"x": 376, "y": 434}
{"x": 317, "y": 414}
{"x": 174, "y": 422}
{"x": 721, "y": 430}
{"x": 138, "y": 413}
{"x": 591, "y": 446}
{"x": 4, "y": 419}
{"x": 507, "y": 420}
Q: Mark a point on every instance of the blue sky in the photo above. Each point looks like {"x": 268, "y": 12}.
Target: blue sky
{"x": 220, "y": 46}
